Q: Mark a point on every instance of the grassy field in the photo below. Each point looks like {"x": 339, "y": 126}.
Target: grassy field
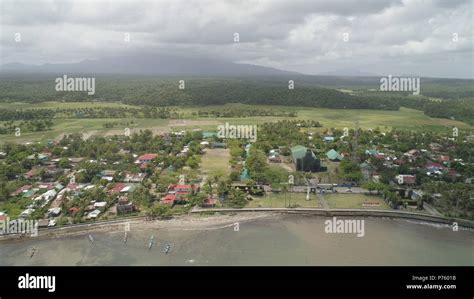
{"x": 282, "y": 200}
{"x": 353, "y": 201}
{"x": 215, "y": 162}
{"x": 87, "y": 127}
{"x": 329, "y": 118}
{"x": 340, "y": 118}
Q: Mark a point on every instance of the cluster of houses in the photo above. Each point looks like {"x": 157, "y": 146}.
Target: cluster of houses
{"x": 437, "y": 164}
{"x": 179, "y": 193}
{"x": 40, "y": 195}
{"x": 303, "y": 158}
{"x": 44, "y": 190}
{"x": 432, "y": 162}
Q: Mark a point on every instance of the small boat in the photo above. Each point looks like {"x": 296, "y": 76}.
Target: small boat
{"x": 152, "y": 241}
{"x": 91, "y": 238}
{"x": 167, "y": 248}
{"x": 125, "y": 237}
{"x": 33, "y": 251}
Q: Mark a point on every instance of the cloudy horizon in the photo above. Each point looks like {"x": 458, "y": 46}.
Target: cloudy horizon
{"x": 429, "y": 38}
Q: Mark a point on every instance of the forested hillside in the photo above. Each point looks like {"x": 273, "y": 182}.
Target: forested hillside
{"x": 444, "y": 99}
{"x": 165, "y": 92}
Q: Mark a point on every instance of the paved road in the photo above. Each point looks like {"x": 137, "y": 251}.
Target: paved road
{"x": 338, "y": 189}
{"x": 353, "y": 190}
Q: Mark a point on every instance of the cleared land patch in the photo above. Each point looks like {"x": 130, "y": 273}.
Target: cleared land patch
{"x": 215, "y": 162}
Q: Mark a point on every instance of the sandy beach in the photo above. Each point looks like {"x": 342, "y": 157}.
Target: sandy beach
{"x": 183, "y": 222}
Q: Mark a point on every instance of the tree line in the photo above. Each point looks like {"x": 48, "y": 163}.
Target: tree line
{"x": 88, "y": 112}
{"x": 161, "y": 92}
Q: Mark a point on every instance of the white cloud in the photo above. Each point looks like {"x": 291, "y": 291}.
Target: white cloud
{"x": 303, "y": 36}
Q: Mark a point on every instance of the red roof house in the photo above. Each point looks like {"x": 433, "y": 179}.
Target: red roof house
{"x": 146, "y": 158}
{"x": 180, "y": 189}
{"x": 33, "y": 172}
{"x": 405, "y": 179}
{"x": 169, "y": 199}
{"x": 74, "y": 210}
{"x": 21, "y": 190}
{"x": 72, "y": 186}
{"x": 380, "y": 156}
{"x": 443, "y": 158}
{"x": 209, "y": 202}
{"x": 434, "y": 165}
{"x": 117, "y": 188}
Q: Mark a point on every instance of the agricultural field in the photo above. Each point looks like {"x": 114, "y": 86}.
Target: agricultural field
{"x": 338, "y": 118}
{"x": 330, "y": 118}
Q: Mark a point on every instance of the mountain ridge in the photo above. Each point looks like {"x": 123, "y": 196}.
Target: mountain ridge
{"x": 149, "y": 64}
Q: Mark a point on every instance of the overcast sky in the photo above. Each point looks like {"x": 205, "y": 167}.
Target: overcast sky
{"x": 411, "y": 37}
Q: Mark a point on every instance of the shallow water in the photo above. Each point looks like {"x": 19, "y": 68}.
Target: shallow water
{"x": 280, "y": 240}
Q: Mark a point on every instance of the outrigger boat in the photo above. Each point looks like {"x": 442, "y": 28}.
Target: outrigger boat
{"x": 32, "y": 253}
{"x": 152, "y": 241}
{"x": 167, "y": 248}
{"x": 125, "y": 237}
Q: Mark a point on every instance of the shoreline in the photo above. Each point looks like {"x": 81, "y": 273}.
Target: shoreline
{"x": 225, "y": 218}
{"x": 351, "y": 213}
{"x": 181, "y": 222}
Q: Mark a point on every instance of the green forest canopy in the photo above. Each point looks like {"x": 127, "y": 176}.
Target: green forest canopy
{"x": 454, "y": 98}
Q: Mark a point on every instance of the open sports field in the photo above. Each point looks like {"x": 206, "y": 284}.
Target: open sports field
{"x": 285, "y": 200}
{"x": 354, "y": 201}
{"x": 215, "y": 162}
